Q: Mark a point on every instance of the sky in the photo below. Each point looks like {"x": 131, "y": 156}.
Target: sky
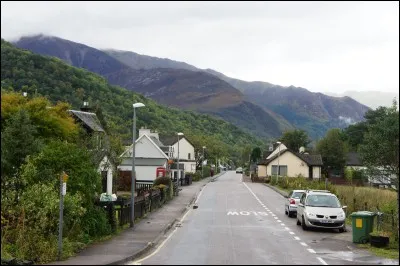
{"x": 320, "y": 46}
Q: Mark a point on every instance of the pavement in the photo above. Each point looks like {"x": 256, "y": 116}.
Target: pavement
{"x": 134, "y": 242}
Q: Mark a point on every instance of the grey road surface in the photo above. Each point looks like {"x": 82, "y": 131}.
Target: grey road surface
{"x": 244, "y": 223}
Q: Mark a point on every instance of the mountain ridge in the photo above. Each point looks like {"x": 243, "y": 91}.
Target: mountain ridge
{"x": 182, "y": 85}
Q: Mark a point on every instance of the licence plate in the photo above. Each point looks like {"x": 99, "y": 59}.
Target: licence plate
{"x": 327, "y": 221}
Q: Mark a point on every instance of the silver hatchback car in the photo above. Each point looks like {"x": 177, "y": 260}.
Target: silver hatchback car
{"x": 291, "y": 202}
{"x": 320, "y": 208}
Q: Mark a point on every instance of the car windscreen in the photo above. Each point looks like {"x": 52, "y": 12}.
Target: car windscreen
{"x": 296, "y": 195}
{"x": 328, "y": 201}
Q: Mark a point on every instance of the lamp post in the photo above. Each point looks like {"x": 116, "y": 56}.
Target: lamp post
{"x": 279, "y": 154}
{"x": 135, "y": 105}
{"x": 202, "y": 164}
{"x": 179, "y": 170}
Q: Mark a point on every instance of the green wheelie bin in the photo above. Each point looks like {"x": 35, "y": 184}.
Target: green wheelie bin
{"x": 362, "y": 225}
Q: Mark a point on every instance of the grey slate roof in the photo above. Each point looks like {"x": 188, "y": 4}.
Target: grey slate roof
{"x": 310, "y": 159}
{"x": 157, "y": 142}
{"x": 353, "y": 159}
{"x": 169, "y": 140}
{"x": 89, "y": 119}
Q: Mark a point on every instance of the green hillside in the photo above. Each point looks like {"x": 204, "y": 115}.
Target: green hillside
{"x": 22, "y": 70}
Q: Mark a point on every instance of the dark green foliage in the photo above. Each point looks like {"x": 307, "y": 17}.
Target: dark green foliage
{"x": 60, "y": 156}
{"x": 17, "y": 141}
{"x": 255, "y": 154}
{"x": 162, "y": 180}
{"x": 333, "y": 151}
{"x": 295, "y": 139}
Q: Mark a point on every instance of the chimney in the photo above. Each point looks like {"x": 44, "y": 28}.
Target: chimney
{"x": 85, "y": 107}
{"x": 302, "y": 150}
{"x": 155, "y": 134}
{"x": 144, "y": 131}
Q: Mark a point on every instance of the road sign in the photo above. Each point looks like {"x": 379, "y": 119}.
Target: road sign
{"x": 64, "y": 188}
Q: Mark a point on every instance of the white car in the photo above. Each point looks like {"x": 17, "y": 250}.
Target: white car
{"x": 322, "y": 209}
{"x": 292, "y": 200}
{"x": 239, "y": 170}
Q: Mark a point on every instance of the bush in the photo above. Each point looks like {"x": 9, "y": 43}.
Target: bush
{"x": 163, "y": 180}
{"x": 196, "y": 176}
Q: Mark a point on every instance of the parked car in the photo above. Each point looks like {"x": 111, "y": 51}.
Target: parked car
{"x": 322, "y": 209}
{"x": 292, "y": 200}
{"x": 239, "y": 170}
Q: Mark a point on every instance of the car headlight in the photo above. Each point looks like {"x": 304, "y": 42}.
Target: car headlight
{"x": 342, "y": 215}
{"x": 310, "y": 214}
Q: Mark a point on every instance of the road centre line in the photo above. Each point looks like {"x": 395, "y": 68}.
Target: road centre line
{"x": 290, "y": 232}
{"x": 322, "y": 261}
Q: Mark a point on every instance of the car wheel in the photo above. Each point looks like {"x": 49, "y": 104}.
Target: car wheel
{"x": 303, "y": 224}
{"x": 286, "y": 211}
{"x": 290, "y": 214}
{"x": 342, "y": 230}
{"x": 298, "y": 222}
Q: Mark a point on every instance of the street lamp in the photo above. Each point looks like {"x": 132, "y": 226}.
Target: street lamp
{"x": 279, "y": 154}
{"x": 202, "y": 164}
{"x": 179, "y": 170}
{"x": 135, "y": 105}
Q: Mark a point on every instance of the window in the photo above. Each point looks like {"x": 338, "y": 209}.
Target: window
{"x": 188, "y": 156}
{"x": 282, "y": 170}
{"x": 297, "y": 195}
{"x": 303, "y": 197}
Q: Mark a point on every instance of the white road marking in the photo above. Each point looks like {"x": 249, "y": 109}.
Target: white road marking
{"x": 303, "y": 244}
{"x": 282, "y": 224}
{"x": 311, "y": 250}
{"x": 291, "y": 233}
{"x": 322, "y": 261}
{"x": 198, "y": 197}
{"x": 279, "y": 221}
{"x": 297, "y": 238}
{"x": 287, "y": 228}
{"x": 275, "y": 217}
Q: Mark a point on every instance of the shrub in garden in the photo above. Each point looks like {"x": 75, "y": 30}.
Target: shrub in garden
{"x": 163, "y": 180}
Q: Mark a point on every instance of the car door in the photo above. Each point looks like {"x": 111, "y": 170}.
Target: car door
{"x": 300, "y": 207}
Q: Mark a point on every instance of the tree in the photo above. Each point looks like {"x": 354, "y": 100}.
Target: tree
{"x": 255, "y": 154}
{"x": 380, "y": 150}
{"x": 17, "y": 142}
{"x": 295, "y": 139}
{"x": 354, "y": 135}
{"x": 333, "y": 151}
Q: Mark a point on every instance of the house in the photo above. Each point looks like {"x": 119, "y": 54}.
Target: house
{"x": 291, "y": 163}
{"x": 148, "y": 157}
{"x": 91, "y": 124}
{"x": 187, "y": 158}
{"x": 377, "y": 179}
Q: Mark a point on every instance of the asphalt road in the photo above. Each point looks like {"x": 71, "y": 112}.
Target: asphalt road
{"x": 244, "y": 223}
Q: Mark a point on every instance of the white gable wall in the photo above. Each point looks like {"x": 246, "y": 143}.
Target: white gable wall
{"x": 105, "y": 165}
{"x": 295, "y": 165}
{"x": 184, "y": 149}
{"x": 276, "y": 151}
